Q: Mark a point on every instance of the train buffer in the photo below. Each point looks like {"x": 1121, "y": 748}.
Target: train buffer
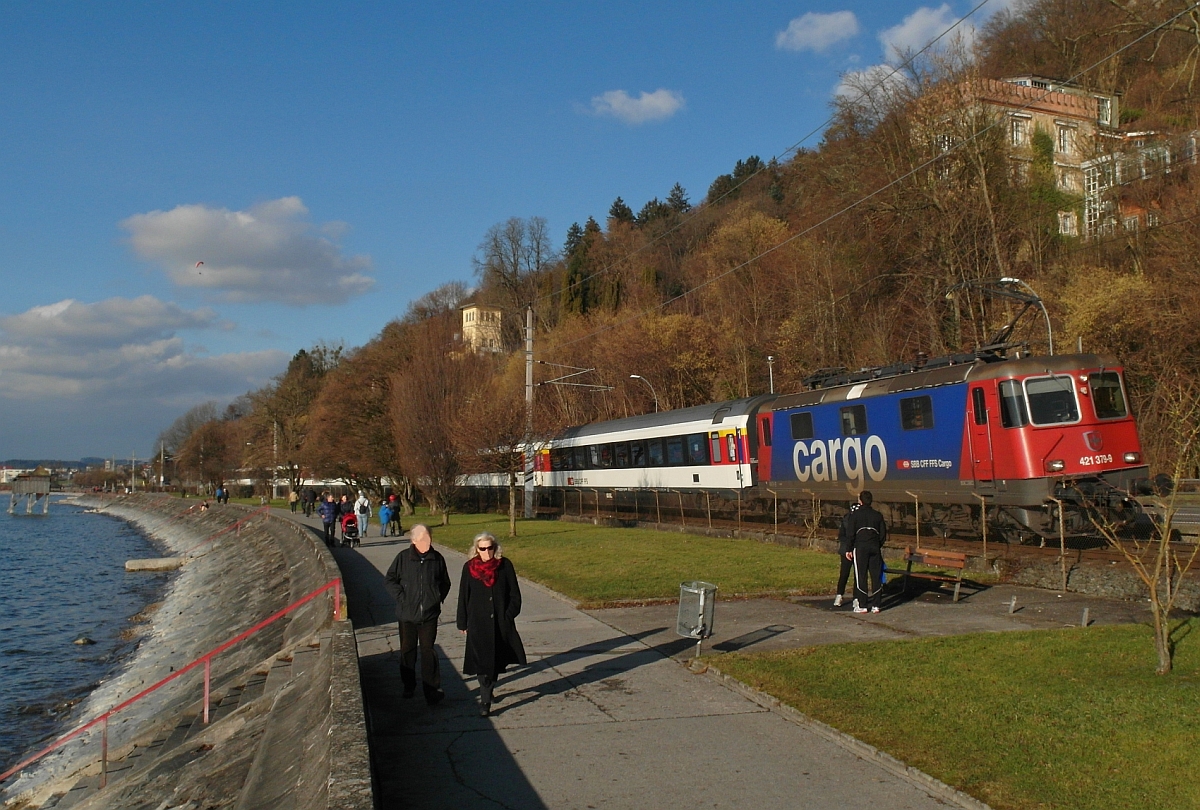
{"x": 933, "y": 558}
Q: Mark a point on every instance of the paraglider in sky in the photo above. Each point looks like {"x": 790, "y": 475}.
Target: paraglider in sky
{"x": 198, "y": 266}
{"x": 199, "y": 263}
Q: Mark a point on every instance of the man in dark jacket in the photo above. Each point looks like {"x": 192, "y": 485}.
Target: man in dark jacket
{"x": 847, "y": 563}
{"x": 419, "y": 582}
{"x": 328, "y": 510}
{"x": 866, "y": 532}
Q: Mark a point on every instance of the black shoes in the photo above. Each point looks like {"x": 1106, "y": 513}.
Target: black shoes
{"x": 485, "y": 710}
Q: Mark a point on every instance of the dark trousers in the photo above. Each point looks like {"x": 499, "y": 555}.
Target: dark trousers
{"x": 844, "y": 574}
{"x": 486, "y": 684}
{"x": 413, "y": 635}
{"x": 330, "y": 533}
{"x": 868, "y": 562}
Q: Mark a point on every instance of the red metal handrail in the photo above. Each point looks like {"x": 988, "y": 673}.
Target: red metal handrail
{"x": 334, "y": 584}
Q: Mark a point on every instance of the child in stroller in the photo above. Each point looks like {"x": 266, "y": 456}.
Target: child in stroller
{"x": 350, "y": 530}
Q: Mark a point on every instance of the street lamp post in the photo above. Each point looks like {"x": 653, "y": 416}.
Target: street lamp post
{"x": 647, "y": 382}
{"x": 771, "y": 371}
{"x": 1038, "y": 299}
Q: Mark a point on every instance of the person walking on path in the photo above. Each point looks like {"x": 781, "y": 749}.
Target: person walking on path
{"x": 866, "y": 532}
{"x": 385, "y": 517}
{"x": 328, "y": 510}
{"x": 489, "y": 601}
{"x": 293, "y": 499}
{"x": 394, "y": 527}
{"x": 309, "y": 499}
{"x": 847, "y": 563}
{"x": 419, "y": 582}
{"x": 362, "y": 510}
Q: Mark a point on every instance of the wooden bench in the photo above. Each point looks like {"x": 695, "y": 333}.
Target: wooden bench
{"x": 935, "y": 558}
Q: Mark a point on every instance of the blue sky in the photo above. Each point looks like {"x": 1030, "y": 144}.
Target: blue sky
{"x": 330, "y": 162}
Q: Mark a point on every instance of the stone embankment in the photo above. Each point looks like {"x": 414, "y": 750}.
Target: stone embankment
{"x": 286, "y": 722}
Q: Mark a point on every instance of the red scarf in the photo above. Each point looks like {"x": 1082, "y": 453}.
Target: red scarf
{"x": 484, "y": 570}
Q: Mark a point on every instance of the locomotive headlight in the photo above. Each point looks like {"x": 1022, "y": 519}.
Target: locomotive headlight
{"x": 1056, "y": 465}
{"x": 1132, "y": 458}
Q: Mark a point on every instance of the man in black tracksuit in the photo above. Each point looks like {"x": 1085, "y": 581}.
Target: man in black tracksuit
{"x": 866, "y": 532}
{"x": 419, "y": 582}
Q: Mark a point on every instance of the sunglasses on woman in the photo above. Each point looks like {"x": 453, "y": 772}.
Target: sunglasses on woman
{"x": 485, "y": 548}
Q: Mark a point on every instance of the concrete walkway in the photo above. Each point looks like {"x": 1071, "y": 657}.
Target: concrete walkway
{"x": 599, "y": 718}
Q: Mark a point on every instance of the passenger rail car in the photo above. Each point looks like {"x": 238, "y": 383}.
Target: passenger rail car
{"x": 1019, "y": 435}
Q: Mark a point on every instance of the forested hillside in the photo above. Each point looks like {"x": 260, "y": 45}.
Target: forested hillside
{"x": 835, "y": 256}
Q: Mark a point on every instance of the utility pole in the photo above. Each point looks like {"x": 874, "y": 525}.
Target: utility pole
{"x": 529, "y": 412}
{"x": 274, "y": 456}
{"x": 771, "y": 371}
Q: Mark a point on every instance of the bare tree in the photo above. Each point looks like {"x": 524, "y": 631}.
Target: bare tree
{"x": 491, "y": 434}
{"x": 1158, "y": 564}
{"x": 426, "y": 396}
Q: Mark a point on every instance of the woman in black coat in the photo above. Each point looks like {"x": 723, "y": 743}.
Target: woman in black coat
{"x": 489, "y": 600}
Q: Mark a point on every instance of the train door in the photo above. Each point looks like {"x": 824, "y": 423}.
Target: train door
{"x": 764, "y": 449}
{"x": 981, "y": 409}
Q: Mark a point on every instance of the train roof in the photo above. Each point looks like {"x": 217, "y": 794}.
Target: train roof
{"x": 713, "y": 413}
{"x": 894, "y": 379}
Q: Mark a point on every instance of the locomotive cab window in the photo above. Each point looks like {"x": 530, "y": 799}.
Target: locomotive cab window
{"x": 765, "y": 431}
{"x": 916, "y": 413}
{"x": 697, "y": 448}
{"x": 1107, "y": 397}
{"x": 1012, "y": 405}
{"x": 1051, "y": 400}
{"x": 854, "y": 420}
{"x": 979, "y": 405}
{"x": 802, "y": 426}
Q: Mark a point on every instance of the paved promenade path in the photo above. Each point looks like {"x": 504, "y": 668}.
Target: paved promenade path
{"x": 599, "y": 719}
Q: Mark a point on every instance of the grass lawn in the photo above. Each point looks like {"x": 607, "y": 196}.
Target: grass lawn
{"x": 596, "y": 565}
{"x": 1049, "y": 719}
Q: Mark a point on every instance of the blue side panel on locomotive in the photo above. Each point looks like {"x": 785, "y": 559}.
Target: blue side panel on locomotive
{"x": 859, "y": 441}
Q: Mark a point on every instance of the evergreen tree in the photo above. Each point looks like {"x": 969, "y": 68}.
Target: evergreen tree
{"x": 578, "y": 296}
{"x": 678, "y": 201}
{"x": 574, "y": 237}
{"x": 652, "y": 210}
{"x": 620, "y": 212}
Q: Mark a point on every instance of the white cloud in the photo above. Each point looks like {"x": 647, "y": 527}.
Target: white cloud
{"x": 656, "y": 106}
{"x": 919, "y": 29}
{"x": 270, "y": 252}
{"x": 114, "y": 322}
{"x": 873, "y": 84}
{"x": 120, "y": 349}
{"x": 816, "y": 32}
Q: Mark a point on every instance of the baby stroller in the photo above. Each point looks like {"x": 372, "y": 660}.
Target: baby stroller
{"x": 350, "y": 531}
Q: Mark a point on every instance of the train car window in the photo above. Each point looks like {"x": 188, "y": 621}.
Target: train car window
{"x": 606, "y": 455}
{"x": 637, "y": 454}
{"x": 594, "y": 457}
{"x": 697, "y": 448}
{"x": 675, "y": 450}
{"x": 1051, "y": 400}
{"x": 916, "y": 413}
{"x": 715, "y": 442}
{"x": 854, "y": 420}
{"x": 654, "y": 452}
{"x": 731, "y": 447}
{"x": 979, "y": 406}
{"x": 580, "y": 458}
{"x": 621, "y": 453}
{"x": 765, "y": 432}
{"x": 556, "y": 459}
{"x": 1012, "y": 405}
{"x": 1107, "y": 397}
{"x": 802, "y": 427}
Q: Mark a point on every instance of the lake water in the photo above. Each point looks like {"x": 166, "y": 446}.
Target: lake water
{"x": 62, "y": 577}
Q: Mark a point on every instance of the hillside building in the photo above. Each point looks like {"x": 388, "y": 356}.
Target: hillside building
{"x": 481, "y": 328}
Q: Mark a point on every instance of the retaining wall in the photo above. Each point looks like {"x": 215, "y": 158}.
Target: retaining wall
{"x": 307, "y": 722}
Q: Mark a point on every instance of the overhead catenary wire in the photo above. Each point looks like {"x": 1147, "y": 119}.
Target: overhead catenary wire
{"x": 869, "y": 196}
